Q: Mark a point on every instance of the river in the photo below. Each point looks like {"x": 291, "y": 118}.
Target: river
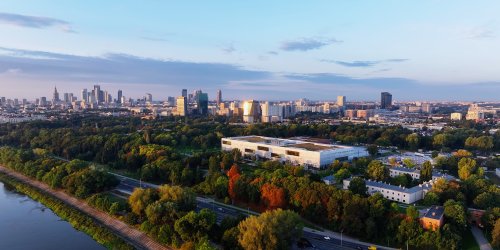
{"x": 26, "y": 224}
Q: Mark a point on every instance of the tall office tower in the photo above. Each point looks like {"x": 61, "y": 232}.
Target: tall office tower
{"x": 119, "y": 98}
{"x": 43, "y": 101}
{"x": 66, "y": 97}
{"x": 55, "y": 96}
{"x": 71, "y": 97}
{"x": 219, "y": 97}
{"x": 271, "y": 112}
{"x": 202, "y": 102}
{"x": 185, "y": 93}
{"x": 96, "y": 92}
{"x": 107, "y": 97}
{"x": 25, "y": 102}
{"x": 149, "y": 97}
{"x": 251, "y": 111}
{"x": 182, "y": 105}
{"x": 385, "y": 100}
{"x": 341, "y": 100}
{"x": 84, "y": 95}
{"x": 170, "y": 101}
{"x": 101, "y": 96}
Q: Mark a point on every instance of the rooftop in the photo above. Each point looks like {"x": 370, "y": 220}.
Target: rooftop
{"x": 291, "y": 143}
{"x": 434, "y": 212}
{"x": 381, "y": 184}
{"x": 406, "y": 170}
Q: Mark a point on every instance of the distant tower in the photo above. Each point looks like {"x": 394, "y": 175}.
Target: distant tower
{"x": 85, "y": 95}
{"x": 385, "y": 100}
{"x": 55, "y": 97}
{"x": 185, "y": 92}
{"x": 120, "y": 94}
{"x": 341, "y": 100}
{"x": 219, "y": 97}
{"x": 149, "y": 97}
{"x": 182, "y": 106}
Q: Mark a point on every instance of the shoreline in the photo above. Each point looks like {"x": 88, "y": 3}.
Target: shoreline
{"x": 105, "y": 229}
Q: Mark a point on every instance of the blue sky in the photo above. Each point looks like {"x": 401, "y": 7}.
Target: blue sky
{"x": 433, "y": 50}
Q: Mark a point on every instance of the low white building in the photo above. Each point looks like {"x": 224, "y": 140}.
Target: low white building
{"x": 310, "y": 154}
{"x": 395, "y": 193}
{"x": 413, "y": 172}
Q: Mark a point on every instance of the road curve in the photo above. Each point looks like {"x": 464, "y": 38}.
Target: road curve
{"x": 130, "y": 234}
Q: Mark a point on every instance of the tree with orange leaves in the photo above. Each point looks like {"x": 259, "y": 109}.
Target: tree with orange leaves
{"x": 233, "y": 174}
{"x": 273, "y": 196}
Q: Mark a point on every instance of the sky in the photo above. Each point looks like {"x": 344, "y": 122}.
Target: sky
{"x": 264, "y": 50}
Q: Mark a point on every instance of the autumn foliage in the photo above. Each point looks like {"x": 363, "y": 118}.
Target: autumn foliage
{"x": 233, "y": 174}
{"x": 273, "y": 196}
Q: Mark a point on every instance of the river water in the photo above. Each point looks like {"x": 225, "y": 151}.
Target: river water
{"x": 26, "y": 224}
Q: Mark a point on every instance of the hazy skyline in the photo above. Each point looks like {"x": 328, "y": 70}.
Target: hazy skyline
{"x": 434, "y": 50}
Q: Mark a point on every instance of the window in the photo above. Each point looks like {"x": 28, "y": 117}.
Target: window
{"x": 247, "y": 150}
{"x": 294, "y": 153}
{"x": 226, "y": 142}
{"x": 275, "y": 155}
{"x": 262, "y": 148}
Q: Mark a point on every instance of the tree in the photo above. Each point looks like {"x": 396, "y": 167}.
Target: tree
{"x": 430, "y": 199}
{"x": 342, "y": 174}
{"x": 372, "y": 149}
{"x": 413, "y": 140}
{"x": 495, "y": 234}
{"x": 194, "y": 226}
{"x": 234, "y": 175}
{"x": 141, "y": 198}
{"x": 455, "y": 213}
{"x": 185, "y": 198}
{"x": 276, "y": 229}
{"x": 466, "y": 167}
{"x": 408, "y": 162}
{"x": 358, "y": 186}
{"x": 426, "y": 171}
{"x": 377, "y": 171}
{"x": 273, "y": 196}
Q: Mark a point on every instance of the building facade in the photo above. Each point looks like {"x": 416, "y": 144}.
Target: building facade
{"x": 310, "y": 154}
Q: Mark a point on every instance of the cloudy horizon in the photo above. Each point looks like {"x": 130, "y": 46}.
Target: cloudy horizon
{"x": 315, "y": 51}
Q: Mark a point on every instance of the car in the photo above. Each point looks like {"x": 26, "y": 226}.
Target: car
{"x": 326, "y": 238}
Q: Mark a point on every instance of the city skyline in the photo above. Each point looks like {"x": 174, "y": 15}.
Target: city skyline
{"x": 319, "y": 52}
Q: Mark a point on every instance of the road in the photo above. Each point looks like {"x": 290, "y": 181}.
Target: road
{"x": 480, "y": 239}
{"x": 318, "y": 240}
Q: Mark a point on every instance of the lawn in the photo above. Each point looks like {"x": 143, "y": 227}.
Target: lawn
{"x": 469, "y": 243}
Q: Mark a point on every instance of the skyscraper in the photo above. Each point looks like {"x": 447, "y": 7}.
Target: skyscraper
{"x": 55, "y": 97}
{"x": 341, "y": 100}
{"x": 97, "y": 93}
{"x": 251, "y": 111}
{"x": 182, "y": 105}
{"x": 84, "y": 95}
{"x": 385, "y": 100}
{"x": 202, "y": 102}
{"x": 219, "y": 97}
{"x": 119, "y": 98}
{"x": 149, "y": 97}
{"x": 185, "y": 93}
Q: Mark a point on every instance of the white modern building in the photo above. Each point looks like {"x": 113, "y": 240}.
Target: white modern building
{"x": 395, "y": 193}
{"x": 310, "y": 154}
{"x": 413, "y": 172}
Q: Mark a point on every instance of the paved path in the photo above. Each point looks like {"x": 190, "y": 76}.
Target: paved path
{"x": 480, "y": 239}
{"x": 130, "y": 234}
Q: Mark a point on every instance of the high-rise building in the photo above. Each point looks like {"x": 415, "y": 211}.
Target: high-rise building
{"x": 341, "y": 100}
{"x": 84, "y": 95}
{"x": 66, "y": 97}
{"x": 219, "y": 97}
{"x": 185, "y": 93}
{"x": 475, "y": 112}
{"x": 149, "y": 97}
{"x": 385, "y": 100}
{"x": 55, "y": 96}
{"x": 202, "y": 102}
{"x": 251, "y": 111}
{"x": 97, "y": 93}
{"x": 119, "y": 97}
{"x": 182, "y": 106}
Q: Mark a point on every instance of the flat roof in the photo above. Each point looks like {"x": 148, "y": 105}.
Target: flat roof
{"x": 311, "y": 146}
{"x": 434, "y": 212}
{"x": 288, "y": 143}
{"x": 406, "y": 170}
{"x": 380, "y": 184}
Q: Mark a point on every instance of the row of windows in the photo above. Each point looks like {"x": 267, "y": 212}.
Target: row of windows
{"x": 226, "y": 142}
{"x": 294, "y": 153}
{"x": 262, "y": 148}
{"x": 383, "y": 191}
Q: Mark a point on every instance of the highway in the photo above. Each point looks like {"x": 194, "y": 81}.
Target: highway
{"x": 317, "y": 239}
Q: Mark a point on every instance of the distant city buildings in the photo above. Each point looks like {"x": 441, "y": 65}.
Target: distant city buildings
{"x": 456, "y": 116}
{"x": 475, "y": 113}
{"x": 182, "y": 109}
{"x": 251, "y": 111}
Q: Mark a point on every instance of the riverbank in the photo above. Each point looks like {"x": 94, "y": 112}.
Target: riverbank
{"x": 102, "y": 227}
